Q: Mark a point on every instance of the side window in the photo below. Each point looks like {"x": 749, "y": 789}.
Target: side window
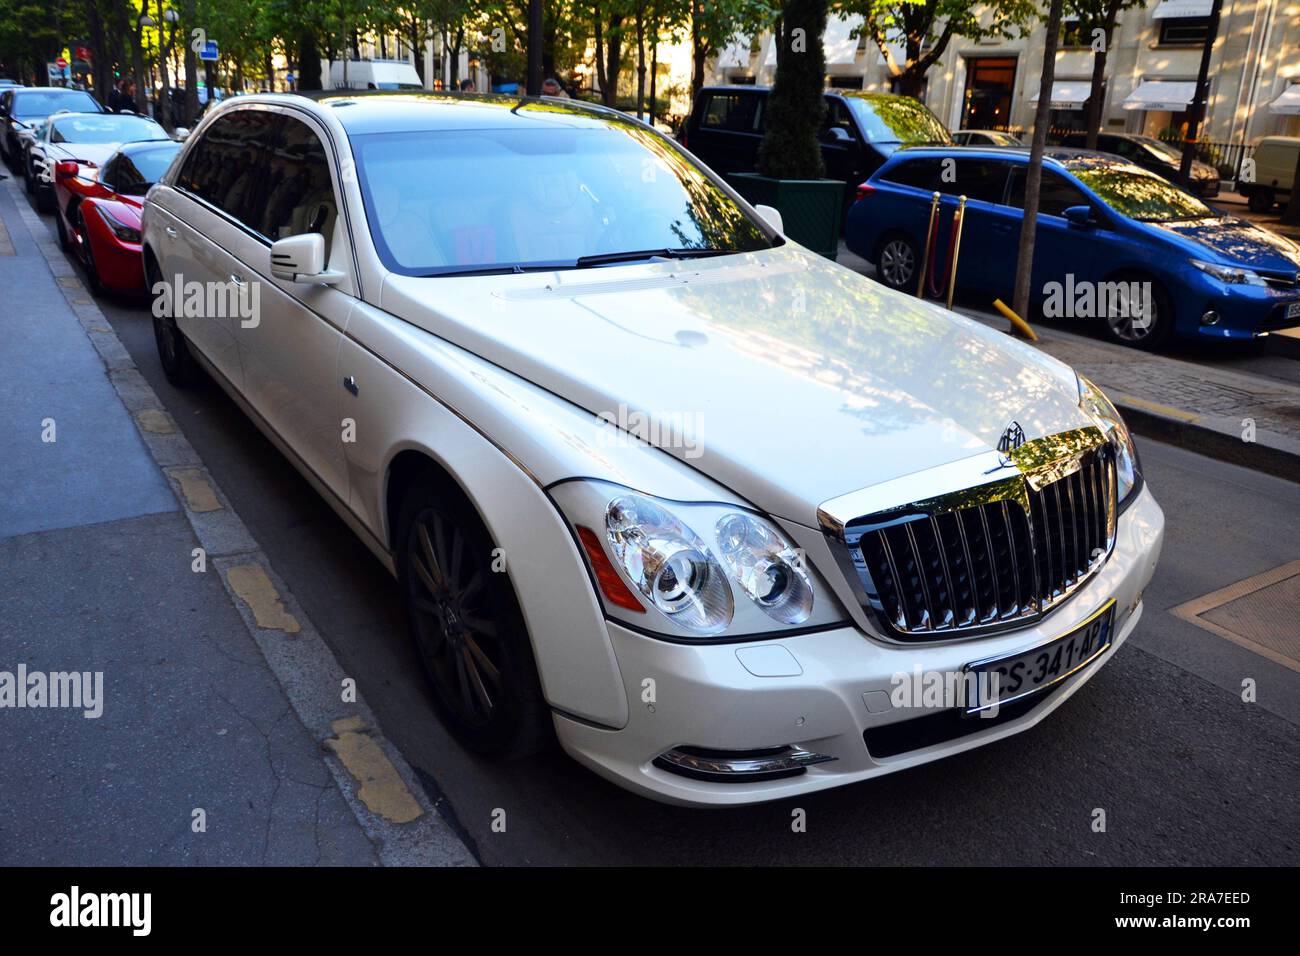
{"x": 227, "y": 166}
{"x": 108, "y": 175}
{"x": 127, "y": 177}
{"x": 299, "y": 190}
{"x": 837, "y": 114}
{"x": 917, "y": 173}
{"x": 1055, "y": 195}
{"x": 730, "y": 111}
{"x": 982, "y": 179}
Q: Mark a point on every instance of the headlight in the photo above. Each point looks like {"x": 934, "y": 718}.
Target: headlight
{"x": 1232, "y": 275}
{"x": 120, "y": 229}
{"x": 688, "y": 570}
{"x": 1127, "y": 468}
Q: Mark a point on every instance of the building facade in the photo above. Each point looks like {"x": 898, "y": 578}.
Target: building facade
{"x": 1151, "y": 71}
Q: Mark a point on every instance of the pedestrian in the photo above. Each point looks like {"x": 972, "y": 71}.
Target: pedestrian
{"x": 551, "y": 87}
{"x": 467, "y": 86}
{"x": 115, "y": 95}
{"x": 126, "y": 103}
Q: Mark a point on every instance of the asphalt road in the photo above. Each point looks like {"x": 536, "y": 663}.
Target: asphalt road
{"x": 1160, "y": 739}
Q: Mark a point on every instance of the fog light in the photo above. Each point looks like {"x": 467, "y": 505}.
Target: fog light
{"x": 1210, "y": 318}
{"x": 739, "y": 766}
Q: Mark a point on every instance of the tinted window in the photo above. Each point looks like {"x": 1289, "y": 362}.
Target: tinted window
{"x": 919, "y": 173}
{"x": 1055, "y": 195}
{"x": 44, "y": 102}
{"x": 732, "y": 111}
{"x": 837, "y": 114}
{"x": 299, "y": 192}
{"x": 449, "y": 200}
{"x": 982, "y": 179}
{"x": 133, "y": 174}
{"x": 227, "y": 166}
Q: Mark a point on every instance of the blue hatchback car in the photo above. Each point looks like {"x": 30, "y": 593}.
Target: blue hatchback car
{"x": 1103, "y": 224}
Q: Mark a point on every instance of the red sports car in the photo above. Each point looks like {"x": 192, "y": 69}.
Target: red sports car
{"x": 98, "y": 212}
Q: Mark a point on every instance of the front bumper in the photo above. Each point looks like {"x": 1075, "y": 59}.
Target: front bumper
{"x": 705, "y": 697}
{"x": 1245, "y": 310}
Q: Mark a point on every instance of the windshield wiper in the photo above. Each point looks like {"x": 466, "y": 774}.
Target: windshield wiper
{"x": 609, "y": 258}
{"x": 509, "y": 268}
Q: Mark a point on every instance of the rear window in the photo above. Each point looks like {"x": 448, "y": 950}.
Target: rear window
{"x": 917, "y": 173}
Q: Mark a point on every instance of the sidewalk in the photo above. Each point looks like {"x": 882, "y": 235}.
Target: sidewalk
{"x": 223, "y": 739}
{"x": 1207, "y": 410}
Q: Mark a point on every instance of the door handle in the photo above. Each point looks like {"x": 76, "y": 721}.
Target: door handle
{"x": 237, "y": 280}
{"x": 171, "y": 233}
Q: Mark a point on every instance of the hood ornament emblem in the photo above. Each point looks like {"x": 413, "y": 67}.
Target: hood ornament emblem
{"x": 1013, "y": 436}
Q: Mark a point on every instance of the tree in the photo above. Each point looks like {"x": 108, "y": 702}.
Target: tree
{"x": 1034, "y": 174}
{"x": 716, "y": 23}
{"x": 1097, "y": 19}
{"x": 926, "y": 27}
{"x": 790, "y": 147}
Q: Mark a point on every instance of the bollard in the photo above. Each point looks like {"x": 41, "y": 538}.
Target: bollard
{"x": 958, "y": 220}
{"x": 929, "y": 238}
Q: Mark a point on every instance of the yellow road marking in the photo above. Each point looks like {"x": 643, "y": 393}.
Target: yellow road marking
{"x": 255, "y": 589}
{"x": 1156, "y": 407}
{"x": 155, "y": 420}
{"x": 198, "y": 493}
{"x": 382, "y": 789}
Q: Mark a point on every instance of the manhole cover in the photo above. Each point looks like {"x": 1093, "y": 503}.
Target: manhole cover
{"x": 1262, "y": 614}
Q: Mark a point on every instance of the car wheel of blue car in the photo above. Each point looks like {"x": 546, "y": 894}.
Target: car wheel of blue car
{"x": 1141, "y": 328}
{"x": 896, "y": 263}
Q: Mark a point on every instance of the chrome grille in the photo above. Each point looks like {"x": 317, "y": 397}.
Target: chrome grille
{"x": 998, "y": 555}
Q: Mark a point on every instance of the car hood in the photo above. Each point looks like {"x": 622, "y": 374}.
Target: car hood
{"x": 783, "y": 376}
{"x": 1237, "y": 242}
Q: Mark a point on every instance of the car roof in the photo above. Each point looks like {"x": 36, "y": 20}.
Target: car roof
{"x": 1064, "y": 157}
{"x": 394, "y": 111}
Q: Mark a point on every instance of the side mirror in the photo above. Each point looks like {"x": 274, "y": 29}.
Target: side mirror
{"x": 772, "y": 216}
{"x": 181, "y": 134}
{"x": 302, "y": 259}
{"x": 1080, "y": 216}
{"x": 838, "y": 134}
{"x": 65, "y": 169}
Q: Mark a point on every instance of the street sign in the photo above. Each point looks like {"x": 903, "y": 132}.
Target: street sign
{"x": 83, "y": 53}
{"x": 61, "y": 63}
{"x": 209, "y": 51}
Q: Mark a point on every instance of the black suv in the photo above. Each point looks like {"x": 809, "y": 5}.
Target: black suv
{"x": 1152, "y": 155}
{"x": 860, "y": 131}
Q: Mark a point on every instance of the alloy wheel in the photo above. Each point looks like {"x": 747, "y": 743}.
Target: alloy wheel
{"x": 456, "y": 630}
{"x": 897, "y": 263}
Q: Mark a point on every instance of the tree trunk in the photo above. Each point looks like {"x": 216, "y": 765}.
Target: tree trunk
{"x": 1034, "y": 175}
{"x": 699, "y": 50}
{"x": 654, "y": 62}
{"x": 1097, "y": 92}
{"x": 613, "y": 60}
{"x": 599, "y": 39}
{"x": 791, "y": 148}
{"x": 309, "y": 77}
{"x": 191, "y": 66}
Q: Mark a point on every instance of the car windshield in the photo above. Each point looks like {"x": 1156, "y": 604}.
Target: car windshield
{"x": 484, "y": 200}
{"x": 1142, "y": 196}
{"x": 28, "y": 103}
{"x": 898, "y": 119}
{"x": 105, "y": 128}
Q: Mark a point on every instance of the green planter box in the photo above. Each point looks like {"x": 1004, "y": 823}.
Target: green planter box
{"x": 810, "y": 208}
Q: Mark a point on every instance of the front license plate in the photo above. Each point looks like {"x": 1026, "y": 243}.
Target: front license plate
{"x": 999, "y": 681}
{"x": 1293, "y": 310}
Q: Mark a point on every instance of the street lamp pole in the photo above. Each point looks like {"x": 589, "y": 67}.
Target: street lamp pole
{"x": 534, "y": 47}
{"x": 1196, "y": 116}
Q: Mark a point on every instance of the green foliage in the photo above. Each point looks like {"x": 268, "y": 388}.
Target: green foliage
{"x": 795, "y": 109}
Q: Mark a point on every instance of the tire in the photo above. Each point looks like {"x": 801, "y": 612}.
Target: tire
{"x": 29, "y": 178}
{"x": 465, "y": 621}
{"x": 62, "y": 230}
{"x": 898, "y": 263}
{"x": 88, "y": 256}
{"x": 178, "y": 364}
{"x": 1261, "y": 200}
{"x": 1133, "y": 333}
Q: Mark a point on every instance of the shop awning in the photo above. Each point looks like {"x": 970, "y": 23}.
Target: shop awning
{"x": 1067, "y": 94}
{"x": 1172, "y": 95}
{"x": 1288, "y": 104}
{"x": 1182, "y": 9}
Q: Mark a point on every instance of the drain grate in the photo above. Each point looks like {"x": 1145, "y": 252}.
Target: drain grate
{"x": 1261, "y": 613}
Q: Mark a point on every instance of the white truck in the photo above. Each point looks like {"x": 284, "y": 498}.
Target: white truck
{"x": 374, "y": 75}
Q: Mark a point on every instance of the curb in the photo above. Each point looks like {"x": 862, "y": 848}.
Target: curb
{"x": 383, "y": 791}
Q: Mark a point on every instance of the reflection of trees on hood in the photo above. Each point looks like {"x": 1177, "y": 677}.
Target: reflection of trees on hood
{"x": 860, "y": 339}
